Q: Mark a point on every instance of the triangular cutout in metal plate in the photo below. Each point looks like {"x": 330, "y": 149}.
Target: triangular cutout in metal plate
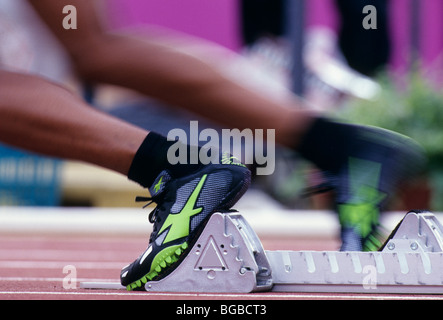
{"x": 211, "y": 258}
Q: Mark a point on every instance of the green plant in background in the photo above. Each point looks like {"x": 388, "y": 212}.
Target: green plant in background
{"x": 412, "y": 106}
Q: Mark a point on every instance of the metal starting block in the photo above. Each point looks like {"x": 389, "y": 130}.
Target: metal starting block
{"x": 228, "y": 257}
{"x": 411, "y": 261}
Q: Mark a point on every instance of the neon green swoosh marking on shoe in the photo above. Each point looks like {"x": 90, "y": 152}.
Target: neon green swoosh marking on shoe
{"x": 158, "y": 185}
{"x": 179, "y": 222}
{"x": 361, "y": 211}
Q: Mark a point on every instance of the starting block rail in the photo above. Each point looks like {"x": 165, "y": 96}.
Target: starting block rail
{"x": 228, "y": 257}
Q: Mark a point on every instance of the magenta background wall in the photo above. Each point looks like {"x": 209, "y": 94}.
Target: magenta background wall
{"x": 432, "y": 29}
{"x": 322, "y": 12}
{"x": 219, "y": 21}
{"x": 215, "y": 20}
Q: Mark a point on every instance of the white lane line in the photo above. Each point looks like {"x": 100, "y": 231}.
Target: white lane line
{"x": 215, "y": 295}
{"x": 60, "y": 264}
{"x": 49, "y": 279}
{"x": 84, "y": 253}
{"x": 279, "y": 296}
{"x": 67, "y": 293}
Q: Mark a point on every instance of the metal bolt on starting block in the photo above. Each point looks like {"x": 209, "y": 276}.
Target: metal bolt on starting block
{"x": 229, "y": 257}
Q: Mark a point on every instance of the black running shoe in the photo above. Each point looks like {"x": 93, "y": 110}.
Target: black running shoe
{"x": 378, "y": 162}
{"x": 184, "y": 205}
{"x": 364, "y": 166}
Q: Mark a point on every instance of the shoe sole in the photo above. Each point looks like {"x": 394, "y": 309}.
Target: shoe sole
{"x": 166, "y": 258}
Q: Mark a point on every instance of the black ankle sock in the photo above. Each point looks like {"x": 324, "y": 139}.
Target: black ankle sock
{"x": 152, "y": 158}
{"x": 327, "y": 144}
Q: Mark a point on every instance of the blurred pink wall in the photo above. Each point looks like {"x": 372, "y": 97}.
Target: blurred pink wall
{"x": 215, "y": 20}
{"x": 432, "y": 30}
{"x": 323, "y": 12}
{"x": 219, "y": 21}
